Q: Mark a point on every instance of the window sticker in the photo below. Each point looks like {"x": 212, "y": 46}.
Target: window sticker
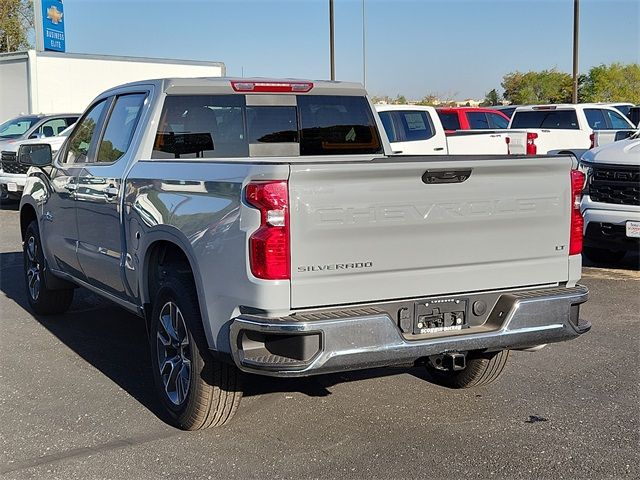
{"x": 415, "y": 121}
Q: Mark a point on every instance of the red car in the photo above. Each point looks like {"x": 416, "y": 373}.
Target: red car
{"x": 471, "y": 118}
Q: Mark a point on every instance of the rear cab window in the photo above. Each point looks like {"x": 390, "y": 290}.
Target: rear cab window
{"x": 224, "y": 126}
{"x": 548, "y": 119}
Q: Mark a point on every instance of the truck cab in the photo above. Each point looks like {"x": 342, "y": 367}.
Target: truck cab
{"x": 471, "y": 118}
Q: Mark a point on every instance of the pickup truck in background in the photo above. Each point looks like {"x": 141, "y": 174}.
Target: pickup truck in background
{"x": 611, "y": 200}
{"x": 568, "y": 129}
{"x": 13, "y": 174}
{"x": 264, "y": 226}
{"x": 471, "y": 118}
{"x": 418, "y": 130}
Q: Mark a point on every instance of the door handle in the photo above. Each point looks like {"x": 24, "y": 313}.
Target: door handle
{"x": 446, "y": 176}
{"x": 111, "y": 191}
{"x": 438, "y": 149}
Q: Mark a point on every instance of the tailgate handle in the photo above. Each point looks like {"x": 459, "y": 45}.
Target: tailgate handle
{"x": 445, "y": 176}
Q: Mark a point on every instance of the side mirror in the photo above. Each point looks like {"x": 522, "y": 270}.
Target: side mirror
{"x": 37, "y": 135}
{"x": 37, "y": 155}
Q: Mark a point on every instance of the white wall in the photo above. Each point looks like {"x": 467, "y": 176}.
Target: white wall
{"x": 68, "y": 84}
{"x": 14, "y": 94}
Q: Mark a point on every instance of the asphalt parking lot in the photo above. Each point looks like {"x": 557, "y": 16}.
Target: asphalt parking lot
{"x": 76, "y": 402}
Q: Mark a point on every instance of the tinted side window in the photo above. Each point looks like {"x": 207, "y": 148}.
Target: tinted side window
{"x": 617, "y": 121}
{"x": 551, "y": 119}
{"x": 195, "y": 126}
{"x": 595, "y": 118}
{"x": 120, "y": 127}
{"x": 337, "y": 125}
{"x": 388, "y": 124}
{"x": 497, "y": 121}
{"x": 478, "y": 120}
{"x": 449, "y": 121}
{"x": 80, "y": 140}
{"x": 624, "y": 109}
{"x": 407, "y": 126}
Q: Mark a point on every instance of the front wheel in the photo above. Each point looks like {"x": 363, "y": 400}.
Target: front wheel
{"x": 43, "y": 300}
{"x": 197, "y": 391}
{"x": 479, "y": 371}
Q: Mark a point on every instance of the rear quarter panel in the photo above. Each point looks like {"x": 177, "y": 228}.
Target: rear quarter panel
{"x": 198, "y": 206}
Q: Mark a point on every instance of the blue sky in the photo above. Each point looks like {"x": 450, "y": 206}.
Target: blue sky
{"x": 456, "y": 48}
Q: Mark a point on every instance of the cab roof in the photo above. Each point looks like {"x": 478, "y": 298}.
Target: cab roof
{"x": 232, "y": 85}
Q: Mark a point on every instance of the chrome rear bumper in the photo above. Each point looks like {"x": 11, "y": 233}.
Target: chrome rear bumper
{"x": 324, "y": 342}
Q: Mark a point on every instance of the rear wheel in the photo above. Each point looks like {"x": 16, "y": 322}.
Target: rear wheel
{"x": 43, "y": 300}
{"x": 601, "y": 255}
{"x": 196, "y": 390}
{"x": 479, "y": 371}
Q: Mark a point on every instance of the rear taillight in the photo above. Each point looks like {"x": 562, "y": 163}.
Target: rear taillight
{"x": 531, "y": 143}
{"x": 508, "y": 141}
{"x": 592, "y": 139}
{"x": 269, "y": 252}
{"x": 577, "y": 222}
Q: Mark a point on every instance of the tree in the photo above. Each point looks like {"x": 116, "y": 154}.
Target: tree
{"x": 491, "y": 99}
{"x": 612, "y": 83}
{"x": 430, "y": 100}
{"x": 400, "y": 100}
{"x": 16, "y": 24}
{"x": 547, "y": 86}
{"x": 384, "y": 99}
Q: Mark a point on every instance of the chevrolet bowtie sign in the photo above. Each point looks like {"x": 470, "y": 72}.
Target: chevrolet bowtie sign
{"x": 53, "y": 25}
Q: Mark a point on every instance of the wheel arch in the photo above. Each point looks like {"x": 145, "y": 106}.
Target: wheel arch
{"x": 162, "y": 246}
{"x": 27, "y": 215}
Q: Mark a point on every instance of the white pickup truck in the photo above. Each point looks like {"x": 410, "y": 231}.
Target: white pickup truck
{"x": 13, "y": 175}
{"x": 263, "y": 226}
{"x": 567, "y": 128}
{"x": 611, "y": 200}
{"x": 418, "y": 130}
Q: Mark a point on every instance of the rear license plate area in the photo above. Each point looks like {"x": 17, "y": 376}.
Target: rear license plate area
{"x": 440, "y": 315}
{"x": 632, "y": 229}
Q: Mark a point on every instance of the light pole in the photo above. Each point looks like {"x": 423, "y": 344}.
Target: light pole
{"x": 576, "y": 31}
{"x": 364, "y": 48}
{"x": 331, "y": 42}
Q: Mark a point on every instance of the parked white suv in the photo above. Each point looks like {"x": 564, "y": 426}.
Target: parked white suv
{"x": 569, "y": 128}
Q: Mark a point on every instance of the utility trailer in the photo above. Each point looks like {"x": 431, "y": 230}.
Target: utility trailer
{"x": 49, "y": 82}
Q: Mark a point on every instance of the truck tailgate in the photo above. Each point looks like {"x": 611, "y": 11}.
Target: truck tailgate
{"x": 487, "y": 142}
{"x": 390, "y": 229}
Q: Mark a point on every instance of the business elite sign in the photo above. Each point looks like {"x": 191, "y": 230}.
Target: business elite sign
{"x": 53, "y": 25}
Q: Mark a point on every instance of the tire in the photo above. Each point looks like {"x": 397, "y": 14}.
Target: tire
{"x": 479, "y": 371}
{"x": 204, "y": 392}
{"x": 43, "y": 300}
{"x": 601, "y": 255}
